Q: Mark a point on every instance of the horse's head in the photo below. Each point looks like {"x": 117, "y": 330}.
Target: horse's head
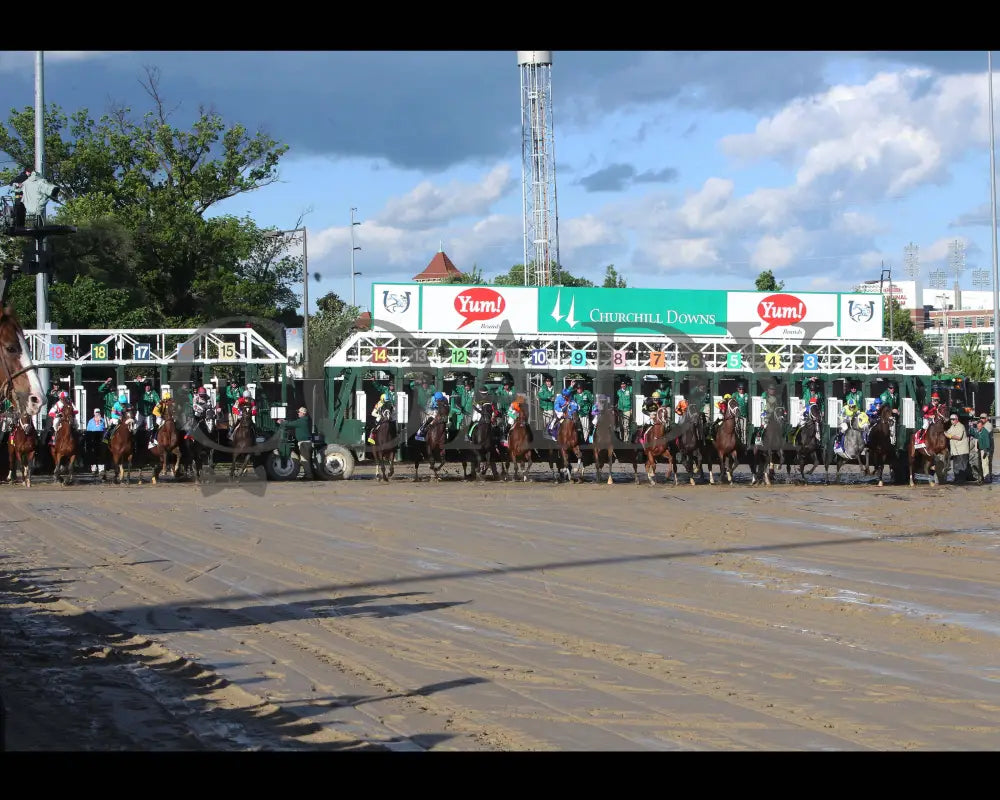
{"x": 27, "y": 422}
{"x": 18, "y": 375}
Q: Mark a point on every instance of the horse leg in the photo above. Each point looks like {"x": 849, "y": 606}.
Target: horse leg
{"x": 650, "y": 468}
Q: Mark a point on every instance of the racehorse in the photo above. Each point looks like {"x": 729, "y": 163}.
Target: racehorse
{"x": 168, "y": 440}
{"x": 244, "y": 437}
{"x": 435, "y": 436}
{"x": 483, "y": 444}
{"x": 691, "y": 447}
{"x": 201, "y": 454}
{"x": 519, "y": 446}
{"x": 18, "y": 379}
{"x": 607, "y": 428}
{"x": 726, "y": 444}
{"x": 121, "y": 445}
{"x": 933, "y": 455}
{"x": 854, "y": 449}
{"x": 568, "y": 438}
{"x": 655, "y": 444}
{"x": 21, "y": 448}
{"x": 384, "y": 449}
{"x": 64, "y": 447}
{"x": 769, "y": 447}
{"x": 808, "y": 446}
{"x": 881, "y": 450}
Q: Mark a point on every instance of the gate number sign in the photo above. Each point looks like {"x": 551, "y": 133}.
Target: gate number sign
{"x": 380, "y": 355}
{"x": 578, "y": 358}
{"x": 141, "y": 352}
{"x": 99, "y": 352}
{"x": 227, "y": 350}
{"x": 810, "y": 361}
{"x": 885, "y": 363}
{"x": 459, "y": 355}
{"x": 772, "y": 361}
{"x": 57, "y": 352}
{"x": 734, "y": 360}
{"x": 619, "y": 358}
{"x": 500, "y": 356}
{"x": 539, "y": 358}
{"x": 657, "y": 359}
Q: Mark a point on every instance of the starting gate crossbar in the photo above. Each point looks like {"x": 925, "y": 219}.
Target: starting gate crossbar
{"x": 148, "y": 346}
{"x": 576, "y": 352}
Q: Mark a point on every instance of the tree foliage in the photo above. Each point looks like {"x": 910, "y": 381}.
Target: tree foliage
{"x": 473, "y": 276}
{"x": 612, "y": 280}
{"x": 515, "y": 277}
{"x": 970, "y": 361}
{"x": 898, "y": 326}
{"x": 332, "y": 323}
{"x": 766, "y": 282}
{"x": 140, "y": 191}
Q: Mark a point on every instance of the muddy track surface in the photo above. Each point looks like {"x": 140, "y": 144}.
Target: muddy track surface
{"x": 453, "y": 616}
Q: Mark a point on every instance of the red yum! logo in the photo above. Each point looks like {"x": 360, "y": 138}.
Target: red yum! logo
{"x": 479, "y": 304}
{"x": 780, "y": 309}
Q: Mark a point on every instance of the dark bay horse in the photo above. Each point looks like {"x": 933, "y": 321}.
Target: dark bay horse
{"x": 21, "y": 446}
{"x": 384, "y": 449}
{"x": 726, "y": 444}
{"x": 121, "y": 445}
{"x": 244, "y": 437}
{"x": 881, "y": 450}
{"x": 809, "y": 446}
{"x": 568, "y": 438}
{"x": 607, "y": 428}
{"x": 65, "y": 447}
{"x": 520, "y": 449}
{"x": 203, "y": 455}
{"x": 482, "y": 444}
{"x": 691, "y": 446}
{"x": 933, "y": 457}
{"x": 656, "y": 445}
{"x": 432, "y": 449}
{"x": 769, "y": 447}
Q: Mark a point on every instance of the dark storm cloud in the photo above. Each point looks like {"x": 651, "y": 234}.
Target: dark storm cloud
{"x": 613, "y": 178}
{"x": 665, "y": 175}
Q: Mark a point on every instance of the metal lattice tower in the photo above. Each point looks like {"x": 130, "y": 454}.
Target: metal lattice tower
{"x": 538, "y": 169}
{"x": 938, "y": 278}
{"x": 981, "y": 279}
{"x": 956, "y": 258}
{"x": 911, "y": 260}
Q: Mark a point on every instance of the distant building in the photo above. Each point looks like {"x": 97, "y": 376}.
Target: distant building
{"x": 438, "y": 269}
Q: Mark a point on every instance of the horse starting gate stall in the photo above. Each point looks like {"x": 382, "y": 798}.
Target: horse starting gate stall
{"x": 493, "y": 332}
{"x": 169, "y": 358}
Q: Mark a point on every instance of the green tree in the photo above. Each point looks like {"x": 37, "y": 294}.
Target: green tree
{"x": 141, "y": 192}
{"x": 473, "y": 276}
{"x": 970, "y": 362}
{"x": 766, "y": 282}
{"x": 515, "y": 277}
{"x": 329, "y": 327}
{"x": 612, "y": 280}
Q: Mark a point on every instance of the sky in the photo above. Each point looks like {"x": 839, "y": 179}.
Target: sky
{"x": 684, "y": 169}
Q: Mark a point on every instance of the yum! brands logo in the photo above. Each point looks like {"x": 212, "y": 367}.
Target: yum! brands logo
{"x": 476, "y": 305}
{"x": 777, "y": 310}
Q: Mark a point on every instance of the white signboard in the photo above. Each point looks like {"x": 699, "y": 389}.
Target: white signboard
{"x": 396, "y": 306}
{"x": 860, "y": 316}
{"x": 782, "y": 315}
{"x": 479, "y": 309}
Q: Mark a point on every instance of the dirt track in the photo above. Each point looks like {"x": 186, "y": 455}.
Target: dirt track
{"x": 354, "y": 615}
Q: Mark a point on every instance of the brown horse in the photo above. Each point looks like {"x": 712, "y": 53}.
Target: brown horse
{"x": 18, "y": 379}
{"x": 655, "y": 445}
{"x": 933, "y": 456}
{"x": 168, "y": 440}
{"x": 435, "y": 437}
{"x": 881, "y": 450}
{"x": 121, "y": 444}
{"x": 384, "y": 449}
{"x": 726, "y": 444}
{"x": 21, "y": 448}
{"x": 606, "y": 428}
{"x": 64, "y": 447}
{"x": 569, "y": 442}
{"x": 519, "y": 446}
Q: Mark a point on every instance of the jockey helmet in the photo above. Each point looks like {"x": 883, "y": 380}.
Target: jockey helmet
{"x": 123, "y": 399}
{"x": 202, "y": 390}
{"x": 682, "y": 406}
{"x": 727, "y": 397}
{"x": 63, "y": 396}
{"x": 246, "y": 393}
{"x": 935, "y": 396}
{"x": 656, "y": 395}
{"x": 567, "y": 392}
{"x": 851, "y": 402}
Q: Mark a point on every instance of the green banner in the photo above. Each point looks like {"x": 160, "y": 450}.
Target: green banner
{"x": 695, "y": 312}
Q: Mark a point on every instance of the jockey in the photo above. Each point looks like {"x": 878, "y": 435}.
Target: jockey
{"x": 564, "y": 406}
{"x": 429, "y": 412}
{"x": 514, "y": 412}
{"x": 480, "y": 400}
{"x": 850, "y": 412}
{"x": 652, "y": 404}
{"x": 55, "y": 413}
{"x": 889, "y": 398}
{"x": 813, "y": 411}
{"x": 243, "y": 405}
{"x": 117, "y": 412}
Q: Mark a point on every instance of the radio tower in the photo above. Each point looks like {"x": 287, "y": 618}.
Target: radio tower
{"x": 538, "y": 169}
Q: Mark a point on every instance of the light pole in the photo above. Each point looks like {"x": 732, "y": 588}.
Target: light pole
{"x": 41, "y": 279}
{"x": 354, "y": 294}
{"x": 305, "y": 293}
{"x": 996, "y": 281}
